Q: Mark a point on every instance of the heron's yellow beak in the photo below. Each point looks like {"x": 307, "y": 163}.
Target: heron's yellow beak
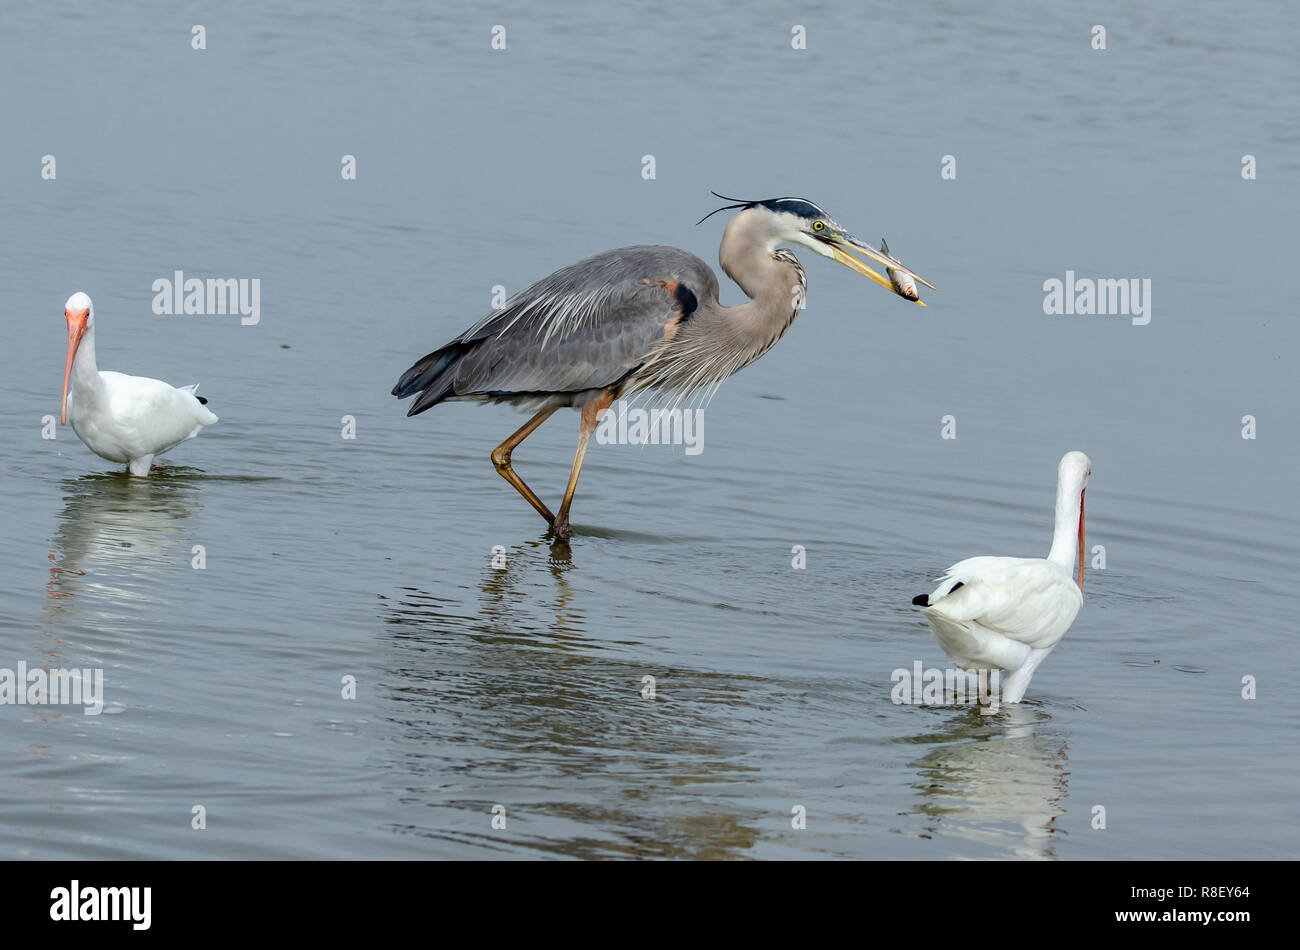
{"x": 852, "y": 263}
{"x": 840, "y": 247}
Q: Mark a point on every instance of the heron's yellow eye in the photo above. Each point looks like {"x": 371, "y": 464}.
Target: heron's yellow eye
{"x": 818, "y": 225}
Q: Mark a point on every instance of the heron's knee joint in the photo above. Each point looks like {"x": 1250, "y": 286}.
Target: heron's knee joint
{"x": 501, "y": 458}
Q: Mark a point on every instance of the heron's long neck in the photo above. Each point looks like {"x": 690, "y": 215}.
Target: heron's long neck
{"x": 774, "y": 283}
{"x": 717, "y": 341}
{"x": 1065, "y": 538}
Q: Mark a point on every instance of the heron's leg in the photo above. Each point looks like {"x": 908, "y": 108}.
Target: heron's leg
{"x": 561, "y": 523}
{"x": 590, "y": 417}
{"x": 501, "y": 459}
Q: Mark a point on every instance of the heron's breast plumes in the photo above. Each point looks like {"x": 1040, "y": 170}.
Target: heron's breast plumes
{"x": 697, "y": 354}
{"x": 701, "y": 349}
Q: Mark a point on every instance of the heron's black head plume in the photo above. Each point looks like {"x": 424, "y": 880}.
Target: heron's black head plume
{"x": 739, "y": 204}
{"x": 800, "y": 207}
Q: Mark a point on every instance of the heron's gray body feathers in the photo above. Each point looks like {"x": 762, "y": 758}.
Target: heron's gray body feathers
{"x": 571, "y": 335}
{"x": 626, "y": 320}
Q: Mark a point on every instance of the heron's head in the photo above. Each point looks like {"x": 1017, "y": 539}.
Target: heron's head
{"x": 798, "y": 222}
{"x": 79, "y": 312}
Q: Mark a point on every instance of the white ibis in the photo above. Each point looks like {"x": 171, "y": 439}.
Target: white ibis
{"x": 1008, "y": 613}
{"x": 122, "y": 418}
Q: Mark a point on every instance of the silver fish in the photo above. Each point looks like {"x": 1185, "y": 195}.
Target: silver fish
{"x": 902, "y": 281}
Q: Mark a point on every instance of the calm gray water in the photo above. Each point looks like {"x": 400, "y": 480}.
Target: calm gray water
{"x": 372, "y": 558}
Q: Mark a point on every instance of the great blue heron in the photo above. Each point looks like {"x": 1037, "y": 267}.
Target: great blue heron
{"x": 634, "y": 319}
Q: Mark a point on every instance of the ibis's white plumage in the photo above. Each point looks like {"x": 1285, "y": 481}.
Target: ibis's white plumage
{"x": 1008, "y": 613}
{"x": 128, "y": 419}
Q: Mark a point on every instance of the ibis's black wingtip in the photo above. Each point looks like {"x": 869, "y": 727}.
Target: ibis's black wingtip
{"x": 921, "y": 600}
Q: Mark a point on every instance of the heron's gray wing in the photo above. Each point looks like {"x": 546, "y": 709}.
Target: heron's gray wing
{"x": 584, "y": 327}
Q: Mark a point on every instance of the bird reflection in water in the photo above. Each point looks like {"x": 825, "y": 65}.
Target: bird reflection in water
{"x": 999, "y": 781}
{"x": 515, "y": 702}
{"x": 503, "y": 587}
{"x": 116, "y": 532}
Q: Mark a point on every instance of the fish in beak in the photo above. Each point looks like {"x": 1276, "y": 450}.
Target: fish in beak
{"x": 77, "y": 324}
{"x": 843, "y": 244}
{"x": 903, "y": 282}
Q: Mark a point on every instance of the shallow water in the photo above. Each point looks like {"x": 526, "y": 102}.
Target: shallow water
{"x": 478, "y": 686}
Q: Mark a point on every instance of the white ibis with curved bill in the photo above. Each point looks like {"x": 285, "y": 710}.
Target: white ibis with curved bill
{"x": 122, "y": 418}
{"x": 1008, "y": 613}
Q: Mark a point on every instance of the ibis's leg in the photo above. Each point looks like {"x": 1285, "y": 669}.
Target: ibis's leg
{"x": 501, "y": 459}
{"x": 141, "y": 465}
{"x": 590, "y": 417}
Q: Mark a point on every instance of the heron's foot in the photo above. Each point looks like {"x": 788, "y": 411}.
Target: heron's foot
{"x": 561, "y": 530}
